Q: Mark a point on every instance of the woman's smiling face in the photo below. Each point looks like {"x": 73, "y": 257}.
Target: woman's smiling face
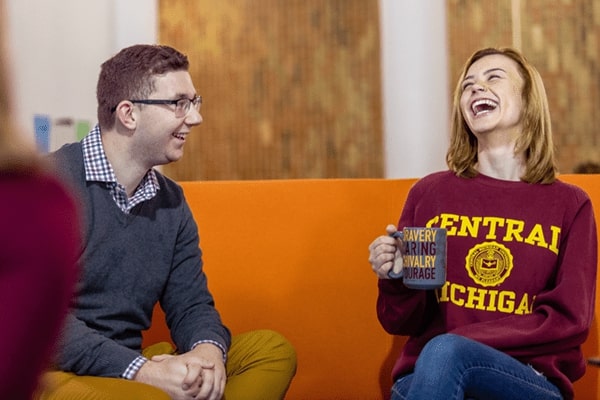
{"x": 491, "y": 96}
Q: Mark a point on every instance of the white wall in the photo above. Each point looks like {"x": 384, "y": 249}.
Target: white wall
{"x": 57, "y": 48}
{"x": 415, "y": 86}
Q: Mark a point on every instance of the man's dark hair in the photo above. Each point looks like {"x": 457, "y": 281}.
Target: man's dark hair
{"x": 130, "y": 74}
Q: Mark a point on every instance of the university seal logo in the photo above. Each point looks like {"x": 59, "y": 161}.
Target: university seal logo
{"x": 489, "y": 263}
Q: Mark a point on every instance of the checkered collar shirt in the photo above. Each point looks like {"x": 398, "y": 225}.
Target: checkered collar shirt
{"x": 98, "y": 169}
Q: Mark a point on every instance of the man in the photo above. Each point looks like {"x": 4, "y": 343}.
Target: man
{"x": 141, "y": 246}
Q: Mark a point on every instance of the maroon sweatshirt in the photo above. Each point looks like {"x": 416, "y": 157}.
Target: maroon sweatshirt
{"x": 39, "y": 245}
{"x": 521, "y": 272}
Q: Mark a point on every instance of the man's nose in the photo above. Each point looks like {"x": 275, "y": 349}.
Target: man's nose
{"x": 193, "y": 117}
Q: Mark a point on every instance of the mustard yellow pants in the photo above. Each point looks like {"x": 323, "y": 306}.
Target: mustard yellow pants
{"x": 260, "y": 365}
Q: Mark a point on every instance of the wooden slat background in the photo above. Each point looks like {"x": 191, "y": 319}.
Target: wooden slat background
{"x": 560, "y": 37}
{"x": 292, "y": 88}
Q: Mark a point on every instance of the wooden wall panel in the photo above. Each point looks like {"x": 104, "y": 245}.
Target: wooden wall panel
{"x": 291, "y": 88}
{"x": 473, "y": 24}
{"x": 563, "y": 41}
{"x": 560, "y": 37}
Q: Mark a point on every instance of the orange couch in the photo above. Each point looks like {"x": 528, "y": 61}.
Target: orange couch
{"x": 291, "y": 255}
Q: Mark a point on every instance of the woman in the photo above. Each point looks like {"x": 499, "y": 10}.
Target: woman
{"x": 521, "y": 253}
{"x": 39, "y": 242}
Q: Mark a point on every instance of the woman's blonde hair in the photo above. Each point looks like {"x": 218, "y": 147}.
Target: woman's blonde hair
{"x": 536, "y": 139}
{"x": 15, "y": 152}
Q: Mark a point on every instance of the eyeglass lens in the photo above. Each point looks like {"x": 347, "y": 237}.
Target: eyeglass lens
{"x": 183, "y": 105}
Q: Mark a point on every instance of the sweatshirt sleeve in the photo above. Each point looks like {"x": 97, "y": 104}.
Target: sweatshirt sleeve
{"x": 562, "y": 315}
{"x": 404, "y": 311}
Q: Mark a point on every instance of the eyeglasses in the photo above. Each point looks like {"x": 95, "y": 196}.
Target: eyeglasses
{"x": 182, "y": 106}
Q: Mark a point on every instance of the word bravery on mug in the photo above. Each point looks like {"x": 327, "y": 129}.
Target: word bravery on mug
{"x": 424, "y": 257}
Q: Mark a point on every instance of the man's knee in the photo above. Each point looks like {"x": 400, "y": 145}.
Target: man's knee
{"x": 261, "y": 365}
{"x": 264, "y": 346}
{"x": 58, "y": 385}
{"x": 280, "y": 344}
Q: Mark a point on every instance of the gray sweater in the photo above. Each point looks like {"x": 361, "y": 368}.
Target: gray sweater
{"x": 129, "y": 262}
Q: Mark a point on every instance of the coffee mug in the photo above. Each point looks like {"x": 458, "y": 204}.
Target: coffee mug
{"x": 424, "y": 257}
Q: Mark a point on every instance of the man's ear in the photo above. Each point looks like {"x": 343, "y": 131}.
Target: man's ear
{"x": 125, "y": 114}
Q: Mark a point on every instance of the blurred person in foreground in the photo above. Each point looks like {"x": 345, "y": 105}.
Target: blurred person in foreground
{"x": 518, "y": 301}
{"x": 141, "y": 247}
{"x": 39, "y": 246}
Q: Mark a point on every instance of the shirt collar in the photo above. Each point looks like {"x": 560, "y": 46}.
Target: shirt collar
{"x": 98, "y": 168}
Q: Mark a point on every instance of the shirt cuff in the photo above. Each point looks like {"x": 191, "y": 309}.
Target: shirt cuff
{"x": 219, "y": 345}
{"x": 134, "y": 367}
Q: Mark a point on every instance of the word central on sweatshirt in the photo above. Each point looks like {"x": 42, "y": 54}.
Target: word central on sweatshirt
{"x": 498, "y": 228}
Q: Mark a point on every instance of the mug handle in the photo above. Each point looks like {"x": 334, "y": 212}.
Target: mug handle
{"x": 391, "y": 273}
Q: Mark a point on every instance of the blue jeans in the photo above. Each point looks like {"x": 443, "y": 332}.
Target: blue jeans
{"x": 452, "y": 367}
